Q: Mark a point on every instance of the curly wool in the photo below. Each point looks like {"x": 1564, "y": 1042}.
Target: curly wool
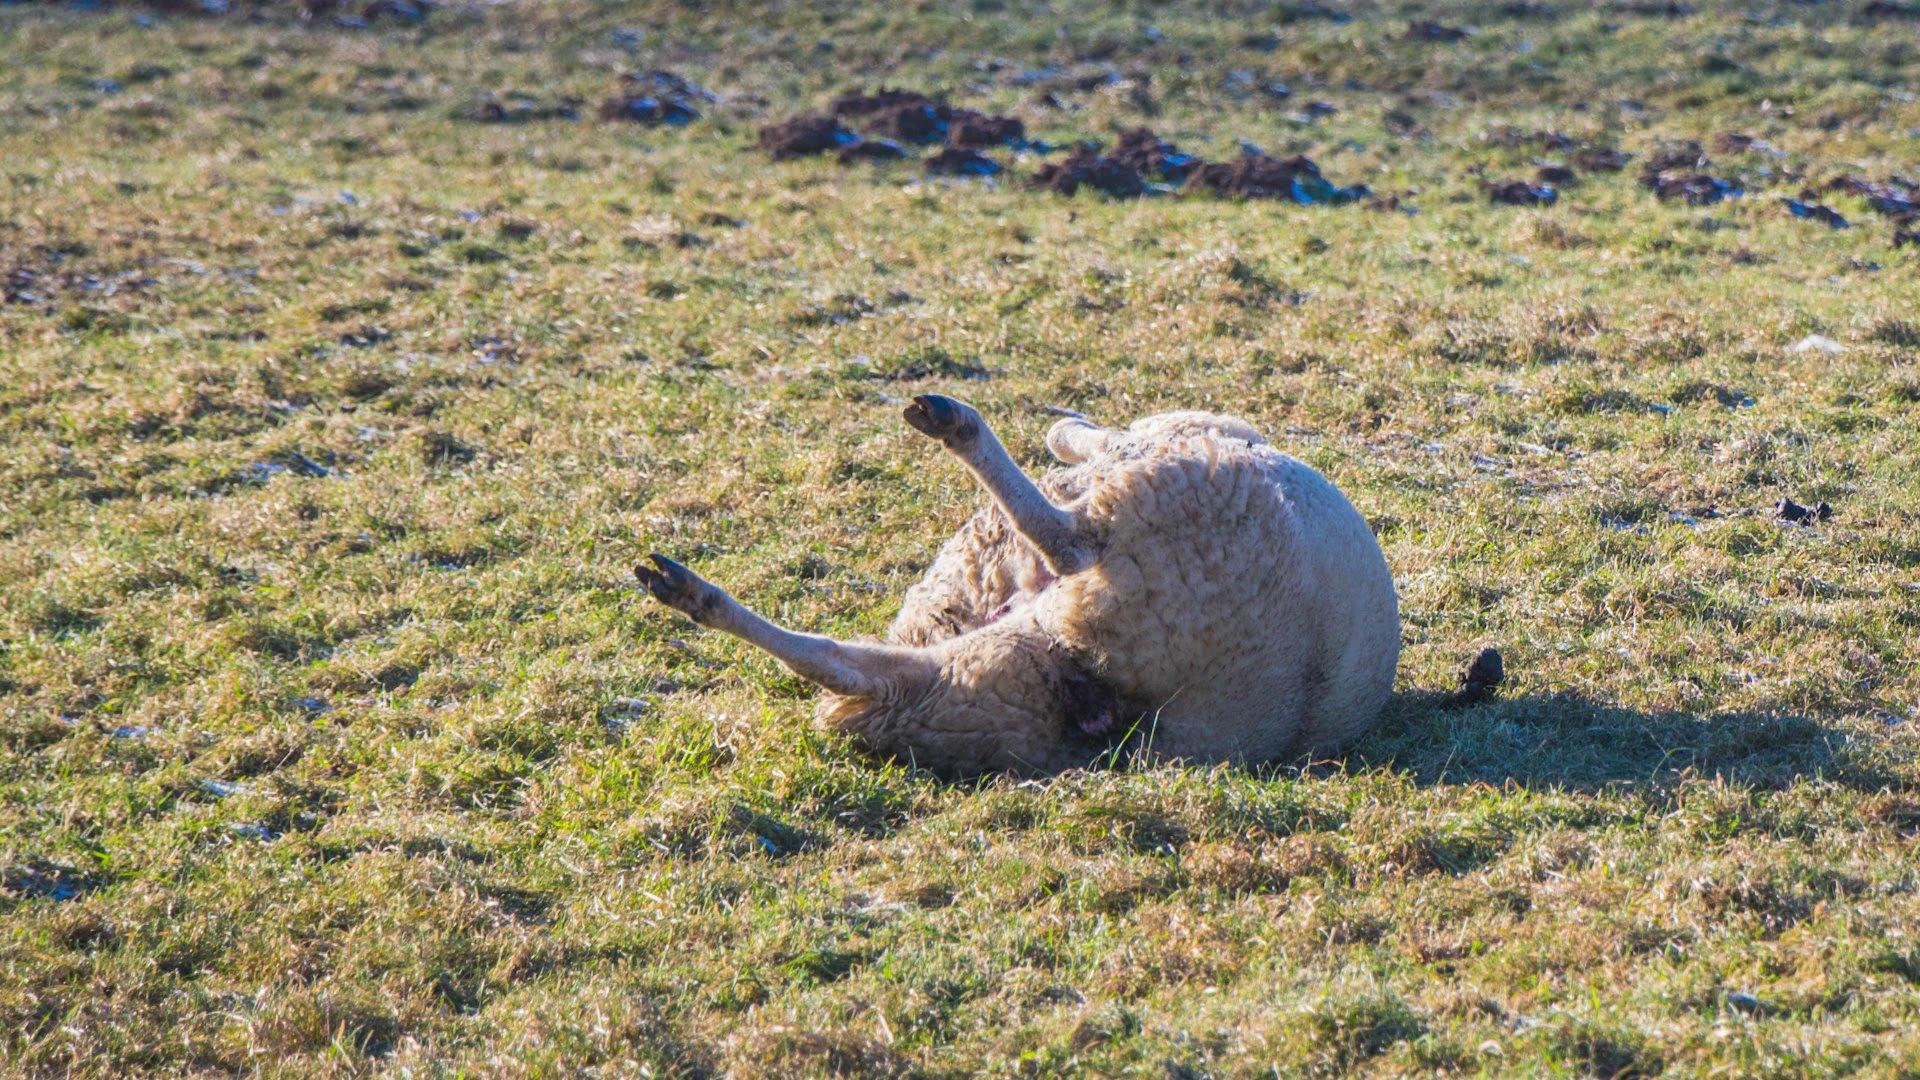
{"x": 1238, "y": 604}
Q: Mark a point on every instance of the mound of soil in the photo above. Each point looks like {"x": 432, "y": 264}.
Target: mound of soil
{"x": 1813, "y": 211}
{"x": 1696, "y": 188}
{"x": 979, "y": 130}
{"x": 1556, "y": 175}
{"x": 1522, "y": 193}
{"x": 1601, "y": 159}
{"x": 860, "y": 103}
{"x": 655, "y": 97}
{"x": 1260, "y": 176}
{"x": 959, "y": 161}
{"x": 911, "y": 116}
{"x": 1682, "y": 156}
{"x": 918, "y": 123}
{"x": 646, "y": 109}
{"x": 804, "y": 135}
{"x": 1894, "y": 197}
{"x": 1794, "y": 514}
{"x": 1151, "y": 156}
{"x": 1090, "y": 168}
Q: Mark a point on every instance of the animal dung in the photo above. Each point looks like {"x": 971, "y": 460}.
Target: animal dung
{"x": 1478, "y": 682}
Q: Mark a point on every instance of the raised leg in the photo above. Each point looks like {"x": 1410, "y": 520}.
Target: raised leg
{"x": 1076, "y": 439}
{"x": 1059, "y": 535}
{"x": 854, "y": 669}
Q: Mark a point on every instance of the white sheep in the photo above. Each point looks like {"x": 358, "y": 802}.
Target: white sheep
{"x": 1180, "y": 590}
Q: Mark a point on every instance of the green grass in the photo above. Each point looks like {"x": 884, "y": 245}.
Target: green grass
{"x": 494, "y": 813}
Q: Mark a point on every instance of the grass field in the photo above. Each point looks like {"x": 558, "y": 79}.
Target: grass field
{"x": 335, "y": 738}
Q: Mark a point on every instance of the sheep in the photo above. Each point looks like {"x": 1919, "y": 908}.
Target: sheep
{"x": 1177, "y": 591}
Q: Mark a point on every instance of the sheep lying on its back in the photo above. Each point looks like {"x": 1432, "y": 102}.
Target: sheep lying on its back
{"x": 1180, "y": 587}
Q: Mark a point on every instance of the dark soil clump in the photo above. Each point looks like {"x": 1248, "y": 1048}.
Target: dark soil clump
{"x": 957, "y": 161}
{"x": 1601, "y": 159}
{"x": 979, "y": 130}
{"x": 1674, "y": 171}
{"x": 1259, "y": 176}
{"x": 1153, "y": 157}
{"x": 1894, "y": 197}
{"x": 1794, "y": 514}
{"x": 655, "y": 97}
{"x": 1090, "y": 168}
{"x": 1804, "y": 207}
{"x": 804, "y": 135}
{"x": 1522, "y": 193}
{"x": 1676, "y": 157}
{"x": 914, "y": 117}
{"x": 1556, "y": 175}
{"x": 1696, "y": 188}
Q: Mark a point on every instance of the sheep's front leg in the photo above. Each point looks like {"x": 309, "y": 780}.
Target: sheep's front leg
{"x": 1059, "y": 535}
{"x": 854, "y": 669}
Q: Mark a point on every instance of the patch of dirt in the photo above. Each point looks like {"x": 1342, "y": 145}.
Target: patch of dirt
{"x": 979, "y": 130}
{"x": 911, "y": 116}
{"x": 645, "y": 109}
{"x": 1479, "y": 681}
{"x": 1794, "y": 514}
{"x": 1675, "y": 171}
{"x": 860, "y": 103}
{"x": 959, "y": 161}
{"x": 804, "y": 135}
{"x": 1427, "y": 30}
{"x": 1601, "y": 159}
{"x": 1522, "y": 193}
{"x": 1259, "y": 176}
{"x": 1676, "y": 157}
{"x": 1556, "y": 175}
{"x": 1090, "y": 168}
{"x": 655, "y": 97}
{"x": 1896, "y": 196}
{"x": 1152, "y": 156}
{"x": 1803, "y": 207}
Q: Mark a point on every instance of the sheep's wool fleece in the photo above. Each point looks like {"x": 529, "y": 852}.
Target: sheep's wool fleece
{"x": 1236, "y": 597}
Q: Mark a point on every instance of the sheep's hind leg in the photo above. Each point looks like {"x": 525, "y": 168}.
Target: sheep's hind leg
{"x": 1056, "y": 533}
{"x": 1077, "y": 439}
{"x": 854, "y": 669}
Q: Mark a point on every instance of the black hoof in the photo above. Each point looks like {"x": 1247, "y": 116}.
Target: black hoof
{"x": 675, "y": 586}
{"x": 940, "y": 417}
